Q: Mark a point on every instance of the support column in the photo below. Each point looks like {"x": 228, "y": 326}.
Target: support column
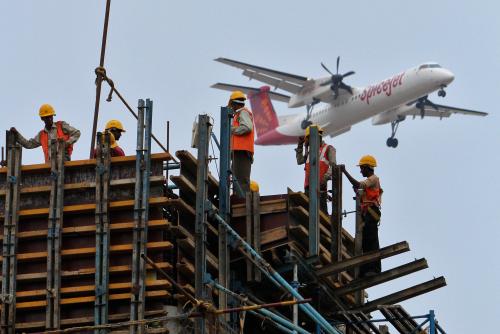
{"x": 204, "y": 128}
{"x": 103, "y": 164}
{"x": 10, "y": 228}
{"x": 224, "y": 201}
{"x": 56, "y": 205}
{"x": 336, "y": 217}
{"x": 314, "y": 191}
{"x": 358, "y": 244}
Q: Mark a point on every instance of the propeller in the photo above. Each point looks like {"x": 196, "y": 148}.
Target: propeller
{"x": 421, "y": 102}
{"x": 336, "y": 80}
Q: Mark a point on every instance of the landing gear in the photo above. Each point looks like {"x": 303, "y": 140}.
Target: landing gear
{"x": 306, "y": 122}
{"x": 392, "y": 141}
{"x": 442, "y": 92}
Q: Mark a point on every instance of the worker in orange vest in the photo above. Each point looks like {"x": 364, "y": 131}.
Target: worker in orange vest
{"x": 371, "y": 200}
{"x": 327, "y": 159}
{"x": 242, "y": 140}
{"x": 57, "y": 130}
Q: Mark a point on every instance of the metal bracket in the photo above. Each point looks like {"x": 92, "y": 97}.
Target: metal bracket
{"x": 101, "y": 169}
{"x": 12, "y": 179}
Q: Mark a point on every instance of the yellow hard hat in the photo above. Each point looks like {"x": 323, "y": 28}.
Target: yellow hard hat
{"x": 254, "y": 186}
{"x": 46, "y": 110}
{"x": 308, "y": 130}
{"x": 237, "y": 95}
{"x": 367, "y": 160}
{"x": 115, "y": 124}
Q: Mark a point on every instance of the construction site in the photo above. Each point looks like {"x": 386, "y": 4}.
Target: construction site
{"x": 155, "y": 243}
{"x": 110, "y": 245}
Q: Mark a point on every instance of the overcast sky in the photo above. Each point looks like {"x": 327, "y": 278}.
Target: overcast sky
{"x": 440, "y": 185}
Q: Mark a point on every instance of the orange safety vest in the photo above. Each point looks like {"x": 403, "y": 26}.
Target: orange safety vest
{"x": 323, "y": 164}
{"x": 244, "y": 142}
{"x": 44, "y": 140}
{"x": 371, "y": 196}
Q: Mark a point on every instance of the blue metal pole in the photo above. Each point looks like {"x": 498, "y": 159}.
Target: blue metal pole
{"x": 432, "y": 322}
{"x": 265, "y": 312}
{"x": 274, "y": 276}
{"x": 314, "y": 190}
{"x": 275, "y": 324}
{"x": 224, "y": 201}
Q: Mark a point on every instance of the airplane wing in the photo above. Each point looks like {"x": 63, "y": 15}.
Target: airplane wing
{"x": 441, "y": 111}
{"x": 289, "y": 82}
{"x": 246, "y": 90}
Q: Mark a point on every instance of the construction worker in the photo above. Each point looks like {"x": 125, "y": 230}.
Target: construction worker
{"x": 242, "y": 140}
{"x": 370, "y": 192}
{"x": 115, "y": 129}
{"x": 57, "y": 130}
{"x": 327, "y": 159}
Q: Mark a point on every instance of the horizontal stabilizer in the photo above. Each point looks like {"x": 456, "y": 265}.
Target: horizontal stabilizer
{"x": 229, "y": 87}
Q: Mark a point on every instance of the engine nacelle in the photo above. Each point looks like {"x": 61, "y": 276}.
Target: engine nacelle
{"x": 388, "y": 117}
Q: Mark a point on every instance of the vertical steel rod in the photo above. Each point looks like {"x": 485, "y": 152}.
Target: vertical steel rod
{"x": 201, "y": 214}
{"x": 314, "y": 191}
{"x": 99, "y": 82}
{"x": 137, "y": 216}
{"x": 224, "y": 202}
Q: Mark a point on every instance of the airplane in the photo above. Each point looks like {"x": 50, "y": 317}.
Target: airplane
{"x": 387, "y": 101}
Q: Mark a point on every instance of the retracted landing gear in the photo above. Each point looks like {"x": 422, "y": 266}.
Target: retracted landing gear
{"x": 442, "y": 92}
{"x": 392, "y": 141}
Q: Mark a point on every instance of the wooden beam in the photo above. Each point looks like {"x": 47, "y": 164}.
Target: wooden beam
{"x": 152, "y": 246}
{"x": 90, "y": 229}
{"x": 383, "y": 277}
{"x": 84, "y": 185}
{"x": 85, "y": 289}
{"x": 266, "y": 207}
{"x": 80, "y": 208}
{"x": 382, "y": 253}
{"x": 405, "y": 294}
{"x": 90, "y": 162}
{"x": 90, "y": 299}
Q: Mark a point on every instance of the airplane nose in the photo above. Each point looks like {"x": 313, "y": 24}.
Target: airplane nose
{"x": 448, "y": 77}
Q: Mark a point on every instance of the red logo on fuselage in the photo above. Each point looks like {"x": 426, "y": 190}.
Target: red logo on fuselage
{"x": 385, "y": 86}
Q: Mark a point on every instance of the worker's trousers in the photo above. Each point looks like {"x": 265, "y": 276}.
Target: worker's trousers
{"x": 323, "y": 197}
{"x": 371, "y": 219}
{"x": 242, "y": 167}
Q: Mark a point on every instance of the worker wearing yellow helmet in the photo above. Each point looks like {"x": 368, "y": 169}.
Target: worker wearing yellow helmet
{"x": 242, "y": 140}
{"x": 370, "y": 191}
{"x": 115, "y": 129}
{"x": 57, "y": 130}
{"x": 327, "y": 159}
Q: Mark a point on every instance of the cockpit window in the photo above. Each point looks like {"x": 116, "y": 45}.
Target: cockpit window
{"x": 421, "y": 67}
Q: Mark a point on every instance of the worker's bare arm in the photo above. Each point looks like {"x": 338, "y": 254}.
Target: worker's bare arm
{"x": 355, "y": 183}
{"x": 29, "y": 144}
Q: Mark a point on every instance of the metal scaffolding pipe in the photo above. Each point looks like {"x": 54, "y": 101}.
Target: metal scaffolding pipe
{"x": 276, "y": 278}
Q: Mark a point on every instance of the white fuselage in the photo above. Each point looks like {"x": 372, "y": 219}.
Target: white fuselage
{"x": 386, "y": 96}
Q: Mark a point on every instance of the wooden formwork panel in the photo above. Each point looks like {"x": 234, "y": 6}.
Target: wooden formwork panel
{"x": 78, "y": 242}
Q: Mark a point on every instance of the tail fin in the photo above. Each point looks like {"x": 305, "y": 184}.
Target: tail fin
{"x": 265, "y": 118}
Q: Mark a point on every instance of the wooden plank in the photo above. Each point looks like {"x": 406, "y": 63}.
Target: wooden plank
{"x": 256, "y": 235}
{"x": 405, "y": 294}
{"x": 187, "y": 244}
{"x": 80, "y": 208}
{"x": 85, "y": 185}
{"x": 71, "y": 322}
{"x": 151, "y": 284}
{"x": 90, "y": 299}
{"x": 86, "y": 272}
{"x": 364, "y": 258}
{"x": 152, "y": 246}
{"x": 266, "y": 207}
{"x": 90, "y": 162}
{"x": 90, "y": 229}
{"x": 385, "y": 276}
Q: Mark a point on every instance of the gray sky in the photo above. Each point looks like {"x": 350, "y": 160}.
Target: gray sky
{"x": 437, "y": 194}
